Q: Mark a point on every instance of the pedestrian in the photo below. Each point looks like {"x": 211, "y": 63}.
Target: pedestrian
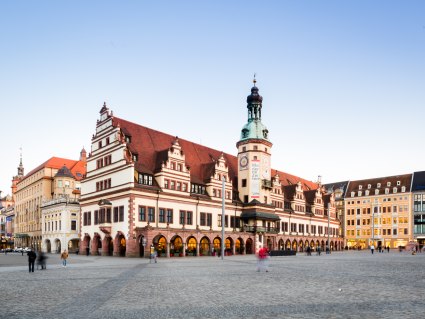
{"x": 372, "y": 248}
{"x": 388, "y": 249}
{"x": 64, "y": 257}
{"x": 262, "y": 257}
{"x": 41, "y": 260}
{"x": 31, "y": 260}
{"x": 87, "y": 251}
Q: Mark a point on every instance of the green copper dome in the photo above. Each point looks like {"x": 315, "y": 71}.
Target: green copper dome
{"x": 254, "y": 129}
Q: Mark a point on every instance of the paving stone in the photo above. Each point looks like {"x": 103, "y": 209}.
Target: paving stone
{"x": 340, "y": 285}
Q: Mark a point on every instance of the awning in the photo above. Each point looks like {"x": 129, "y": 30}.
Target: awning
{"x": 259, "y": 215}
{"x": 21, "y": 235}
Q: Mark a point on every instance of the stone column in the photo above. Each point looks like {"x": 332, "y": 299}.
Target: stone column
{"x": 184, "y": 250}
{"x": 168, "y": 250}
{"x": 197, "y": 249}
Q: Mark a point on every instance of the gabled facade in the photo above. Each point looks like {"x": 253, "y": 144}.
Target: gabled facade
{"x": 147, "y": 188}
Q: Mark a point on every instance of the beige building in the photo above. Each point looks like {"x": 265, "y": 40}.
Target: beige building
{"x": 378, "y": 211}
{"x": 37, "y": 187}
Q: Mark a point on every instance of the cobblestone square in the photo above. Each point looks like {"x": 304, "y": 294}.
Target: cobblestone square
{"x": 340, "y": 285}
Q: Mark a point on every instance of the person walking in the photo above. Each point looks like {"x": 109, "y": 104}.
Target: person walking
{"x": 388, "y": 249}
{"x": 32, "y": 256}
{"x": 64, "y": 257}
{"x": 87, "y": 251}
{"x": 262, "y": 262}
{"x": 41, "y": 260}
{"x": 372, "y": 248}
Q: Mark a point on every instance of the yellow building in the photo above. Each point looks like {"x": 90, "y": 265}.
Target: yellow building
{"x": 37, "y": 187}
{"x": 378, "y": 211}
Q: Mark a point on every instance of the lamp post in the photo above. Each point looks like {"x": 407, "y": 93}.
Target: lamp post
{"x": 223, "y": 214}
{"x": 329, "y": 229}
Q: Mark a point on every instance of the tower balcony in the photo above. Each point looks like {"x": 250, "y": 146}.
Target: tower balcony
{"x": 266, "y": 183}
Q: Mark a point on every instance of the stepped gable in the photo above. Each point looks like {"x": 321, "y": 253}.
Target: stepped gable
{"x": 310, "y": 196}
{"x": 289, "y": 180}
{"x": 152, "y": 145}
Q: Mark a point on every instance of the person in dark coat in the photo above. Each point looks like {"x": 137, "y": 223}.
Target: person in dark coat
{"x": 87, "y": 250}
{"x": 41, "y": 260}
{"x": 32, "y": 256}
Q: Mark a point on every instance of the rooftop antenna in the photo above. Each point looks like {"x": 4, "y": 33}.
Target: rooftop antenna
{"x": 255, "y": 81}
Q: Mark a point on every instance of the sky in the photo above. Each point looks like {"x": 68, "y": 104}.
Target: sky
{"x": 342, "y": 81}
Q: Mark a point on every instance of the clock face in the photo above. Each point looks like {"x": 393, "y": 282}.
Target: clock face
{"x": 243, "y": 162}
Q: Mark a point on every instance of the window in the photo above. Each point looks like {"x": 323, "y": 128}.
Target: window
{"x": 121, "y": 214}
{"x": 115, "y": 214}
{"x": 378, "y": 185}
{"x": 166, "y": 182}
{"x": 161, "y": 216}
{"x": 182, "y": 217}
{"x": 189, "y": 218}
{"x": 73, "y": 225}
{"x": 142, "y": 213}
{"x": 403, "y": 189}
{"x": 96, "y": 217}
{"x": 108, "y": 215}
{"x": 244, "y": 182}
{"x": 206, "y": 219}
{"x": 146, "y": 179}
{"x": 169, "y": 216}
{"x": 151, "y": 214}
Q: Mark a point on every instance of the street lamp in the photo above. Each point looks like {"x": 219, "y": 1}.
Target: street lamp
{"x": 223, "y": 213}
{"x": 329, "y": 229}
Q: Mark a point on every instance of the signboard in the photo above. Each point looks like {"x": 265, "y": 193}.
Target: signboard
{"x": 255, "y": 179}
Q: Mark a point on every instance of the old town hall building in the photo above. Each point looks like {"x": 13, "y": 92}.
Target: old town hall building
{"x": 144, "y": 188}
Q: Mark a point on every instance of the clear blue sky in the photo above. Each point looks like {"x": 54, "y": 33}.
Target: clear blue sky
{"x": 342, "y": 81}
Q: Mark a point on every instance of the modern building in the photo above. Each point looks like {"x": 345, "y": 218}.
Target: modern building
{"x": 418, "y": 193}
{"x": 61, "y": 215}
{"x": 147, "y": 189}
{"x": 378, "y": 211}
{"x": 35, "y": 189}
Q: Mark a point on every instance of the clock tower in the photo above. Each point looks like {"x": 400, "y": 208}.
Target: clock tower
{"x": 254, "y": 154}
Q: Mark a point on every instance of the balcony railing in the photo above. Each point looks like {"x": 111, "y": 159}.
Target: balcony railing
{"x": 261, "y": 229}
{"x": 266, "y": 183}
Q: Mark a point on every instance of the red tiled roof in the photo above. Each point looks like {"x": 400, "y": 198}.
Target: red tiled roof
{"x": 152, "y": 145}
{"x": 57, "y": 163}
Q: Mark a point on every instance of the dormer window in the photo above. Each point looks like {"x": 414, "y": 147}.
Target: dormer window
{"x": 352, "y": 194}
{"x": 360, "y": 187}
{"x": 128, "y": 139}
{"x": 135, "y": 157}
{"x": 403, "y": 189}
{"x": 398, "y": 183}
{"x": 388, "y": 184}
{"x": 387, "y": 191}
{"x": 367, "y": 193}
{"x": 378, "y": 185}
{"x": 376, "y": 191}
{"x": 146, "y": 179}
{"x": 369, "y": 186}
{"x": 245, "y": 133}
{"x": 359, "y": 193}
{"x": 395, "y": 190}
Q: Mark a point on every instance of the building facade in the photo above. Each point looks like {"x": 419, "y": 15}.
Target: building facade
{"x": 61, "y": 215}
{"x": 145, "y": 190}
{"x": 36, "y": 188}
{"x": 418, "y": 194}
{"x": 378, "y": 211}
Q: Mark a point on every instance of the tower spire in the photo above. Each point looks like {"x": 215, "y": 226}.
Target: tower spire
{"x": 20, "y": 167}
